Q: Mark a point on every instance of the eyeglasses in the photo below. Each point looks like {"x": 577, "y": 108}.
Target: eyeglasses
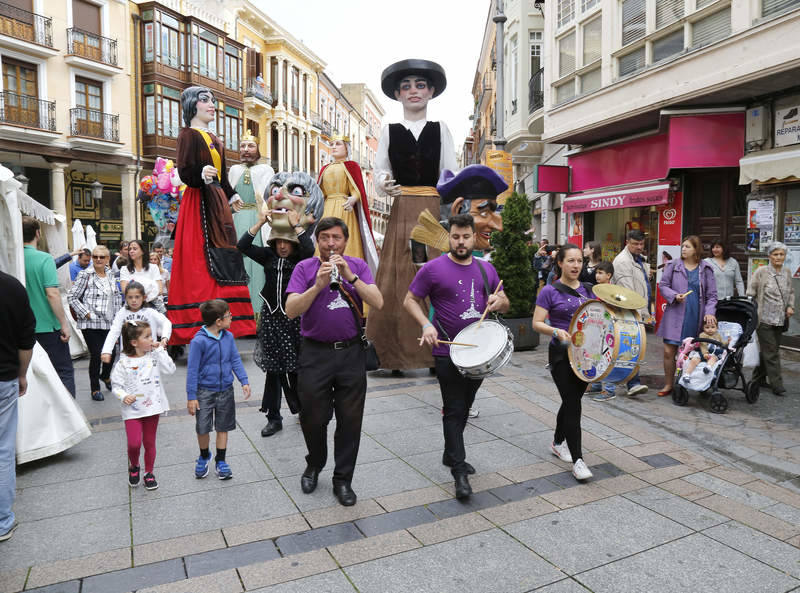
{"x": 99, "y": 256}
{"x": 228, "y": 314}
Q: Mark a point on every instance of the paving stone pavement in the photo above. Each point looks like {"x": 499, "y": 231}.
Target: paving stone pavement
{"x": 682, "y": 499}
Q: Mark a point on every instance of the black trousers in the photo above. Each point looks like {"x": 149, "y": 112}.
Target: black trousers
{"x": 59, "y": 355}
{"x": 95, "y": 338}
{"x": 571, "y": 389}
{"x": 329, "y": 379}
{"x": 274, "y": 384}
{"x": 458, "y": 395}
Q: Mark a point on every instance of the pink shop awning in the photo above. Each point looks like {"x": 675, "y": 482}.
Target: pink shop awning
{"x": 621, "y": 197}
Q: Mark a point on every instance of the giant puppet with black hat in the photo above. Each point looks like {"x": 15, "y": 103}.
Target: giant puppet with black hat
{"x": 411, "y": 156}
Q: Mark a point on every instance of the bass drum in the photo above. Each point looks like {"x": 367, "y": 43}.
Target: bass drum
{"x": 494, "y": 345}
{"x": 607, "y": 343}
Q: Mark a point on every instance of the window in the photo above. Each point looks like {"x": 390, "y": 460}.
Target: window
{"x": 566, "y": 12}
{"x": 565, "y": 92}
{"x": 668, "y": 46}
{"x": 295, "y": 88}
{"x": 170, "y": 112}
{"x": 590, "y": 81}
{"x": 89, "y": 102}
{"x": 207, "y": 53}
{"x": 668, "y": 11}
{"x": 148, "y": 42}
{"x": 233, "y": 68}
{"x": 170, "y": 45}
{"x": 588, "y": 4}
{"x": 20, "y": 78}
{"x": 770, "y": 7}
{"x": 633, "y": 20}
{"x": 631, "y": 62}
{"x": 535, "y": 40}
{"x": 566, "y": 54}
{"x": 233, "y": 119}
{"x": 712, "y": 28}
{"x": 514, "y": 67}
{"x": 150, "y": 114}
{"x": 704, "y": 3}
{"x": 592, "y": 38}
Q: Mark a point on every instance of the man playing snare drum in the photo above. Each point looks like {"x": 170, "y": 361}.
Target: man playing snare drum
{"x": 460, "y": 287}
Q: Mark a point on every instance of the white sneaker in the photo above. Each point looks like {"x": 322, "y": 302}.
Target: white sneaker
{"x": 637, "y": 389}
{"x": 580, "y": 471}
{"x": 474, "y": 412}
{"x": 561, "y": 451}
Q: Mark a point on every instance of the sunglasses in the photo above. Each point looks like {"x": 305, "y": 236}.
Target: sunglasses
{"x": 99, "y": 256}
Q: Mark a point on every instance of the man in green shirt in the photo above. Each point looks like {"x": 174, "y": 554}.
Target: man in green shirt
{"x": 41, "y": 282}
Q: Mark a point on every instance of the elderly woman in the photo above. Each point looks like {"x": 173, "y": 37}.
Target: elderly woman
{"x": 690, "y": 289}
{"x": 772, "y": 288}
{"x": 726, "y": 271}
{"x": 95, "y": 298}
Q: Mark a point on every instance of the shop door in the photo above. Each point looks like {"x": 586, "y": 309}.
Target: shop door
{"x": 716, "y": 207}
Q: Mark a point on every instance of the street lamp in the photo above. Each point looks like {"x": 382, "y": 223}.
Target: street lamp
{"x": 97, "y": 190}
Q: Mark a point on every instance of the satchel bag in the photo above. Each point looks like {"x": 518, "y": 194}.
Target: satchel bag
{"x": 371, "y": 360}
{"x": 785, "y": 326}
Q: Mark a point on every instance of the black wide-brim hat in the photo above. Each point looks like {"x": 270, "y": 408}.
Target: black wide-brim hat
{"x": 473, "y": 182}
{"x": 392, "y": 75}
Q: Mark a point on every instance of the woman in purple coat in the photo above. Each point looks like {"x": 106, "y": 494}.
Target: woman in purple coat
{"x": 690, "y": 289}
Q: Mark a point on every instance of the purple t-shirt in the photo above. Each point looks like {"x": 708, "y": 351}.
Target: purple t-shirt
{"x": 561, "y": 307}
{"x": 456, "y": 293}
{"x": 329, "y": 318}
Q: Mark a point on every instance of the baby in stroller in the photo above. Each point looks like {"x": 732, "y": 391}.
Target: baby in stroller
{"x": 698, "y": 359}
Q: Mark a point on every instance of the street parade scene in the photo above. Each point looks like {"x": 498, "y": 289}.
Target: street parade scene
{"x": 479, "y": 296}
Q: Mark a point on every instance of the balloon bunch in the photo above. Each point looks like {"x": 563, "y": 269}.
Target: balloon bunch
{"x": 162, "y": 191}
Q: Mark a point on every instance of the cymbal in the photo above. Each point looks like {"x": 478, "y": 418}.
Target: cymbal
{"x": 619, "y": 296}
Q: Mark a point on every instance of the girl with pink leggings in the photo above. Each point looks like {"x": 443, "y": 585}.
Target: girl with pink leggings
{"x": 136, "y": 381}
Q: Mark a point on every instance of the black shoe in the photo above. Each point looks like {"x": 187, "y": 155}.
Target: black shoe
{"x": 308, "y": 481}
{"x": 463, "y": 489}
{"x": 97, "y": 396}
{"x": 344, "y": 494}
{"x": 448, "y": 463}
{"x": 271, "y": 428}
{"x": 397, "y": 373}
{"x": 779, "y": 391}
{"x": 150, "y": 482}
{"x": 107, "y": 383}
{"x": 133, "y": 477}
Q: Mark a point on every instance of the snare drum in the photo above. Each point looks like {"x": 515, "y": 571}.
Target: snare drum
{"x": 494, "y": 345}
{"x": 607, "y": 342}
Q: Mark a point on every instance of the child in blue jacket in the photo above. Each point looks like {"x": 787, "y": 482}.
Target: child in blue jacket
{"x": 213, "y": 359}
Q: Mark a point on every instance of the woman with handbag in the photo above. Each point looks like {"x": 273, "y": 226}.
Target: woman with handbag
{"x": 771, "y": 286}
{"x": 95, "y": 299}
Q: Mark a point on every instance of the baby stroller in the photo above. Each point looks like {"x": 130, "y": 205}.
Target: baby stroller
{"x": 738, "y": 316}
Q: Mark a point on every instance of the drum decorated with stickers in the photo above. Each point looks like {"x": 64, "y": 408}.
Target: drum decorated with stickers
{"x": 607, "y": 342}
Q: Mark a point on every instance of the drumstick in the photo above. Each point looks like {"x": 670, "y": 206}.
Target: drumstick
{"x": 485, "y": 311}
{"x": 457, "y": 343}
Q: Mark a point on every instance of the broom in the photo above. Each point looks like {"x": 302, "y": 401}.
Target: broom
{"x": 430, "y": 232}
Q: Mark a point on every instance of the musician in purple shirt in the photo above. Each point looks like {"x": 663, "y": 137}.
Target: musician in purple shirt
{"x": 558, "y": 302}
{"x": 332, "y": 358}
{"x": 460, "y": 287}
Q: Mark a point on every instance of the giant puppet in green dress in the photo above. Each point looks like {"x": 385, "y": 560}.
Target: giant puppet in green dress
{"x": 250, "y": 181}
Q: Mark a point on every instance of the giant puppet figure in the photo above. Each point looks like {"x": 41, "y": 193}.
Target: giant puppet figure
{"x": 342, "y": 182}
{"x": 206, "y": 264}
{"x": 411, "y": 155}
{"x": 249, "y": 180}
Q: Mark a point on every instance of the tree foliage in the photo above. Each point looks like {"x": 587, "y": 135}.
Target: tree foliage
{"x": 512, "y": 256}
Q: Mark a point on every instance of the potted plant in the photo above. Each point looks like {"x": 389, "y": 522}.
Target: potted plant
{"x": 512, "y": 257}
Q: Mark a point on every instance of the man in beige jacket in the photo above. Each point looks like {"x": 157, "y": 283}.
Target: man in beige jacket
{"x": 632, "y": 271}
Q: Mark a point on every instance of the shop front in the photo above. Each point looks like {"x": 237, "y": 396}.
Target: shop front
{"x": 647, "y": 183}
{"x": 773, "y": 205}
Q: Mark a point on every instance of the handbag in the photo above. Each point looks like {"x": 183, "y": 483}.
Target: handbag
{"x": 785, "y": 326}
{"x": 371, "y": 360}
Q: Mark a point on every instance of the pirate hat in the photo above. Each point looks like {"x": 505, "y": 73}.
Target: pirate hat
{"x": 392, "y": 75}
{"x": 473, "y": 182}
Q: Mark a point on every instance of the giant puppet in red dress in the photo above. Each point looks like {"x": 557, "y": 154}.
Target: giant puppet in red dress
{"x": 343, "y": 186}
{"x": 206, "y": 263}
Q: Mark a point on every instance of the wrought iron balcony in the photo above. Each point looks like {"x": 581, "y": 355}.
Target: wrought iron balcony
{"x": 92, "y": 123}
{"x": 25, "y": 25}
{"x": 93, "y": 47}
{"x": 28, "y": 111}
{"x": 536, "y": 91}
{"x": 316, "y": 120}
{"x": 256, "y": 88}
{"x": 326, "y": 128}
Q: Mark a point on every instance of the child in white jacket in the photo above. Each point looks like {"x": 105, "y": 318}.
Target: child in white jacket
{"x": 136, "y": 381}
{"x": 135, "y": 310}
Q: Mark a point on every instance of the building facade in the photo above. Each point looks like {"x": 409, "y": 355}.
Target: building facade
{"x": 67, "y": 115}
{"x": 484, "y": 123}
{"x": 663, "y": 107}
